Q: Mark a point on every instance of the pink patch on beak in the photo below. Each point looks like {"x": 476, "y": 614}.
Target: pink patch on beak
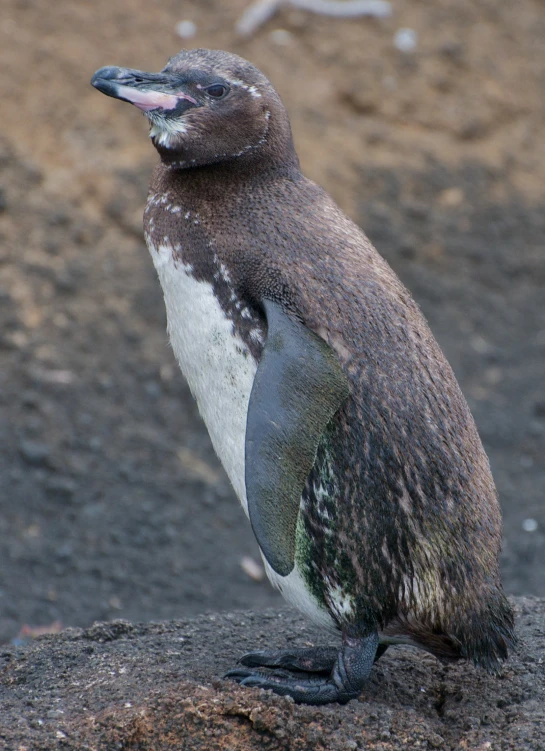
{"x": 151, "y": 100}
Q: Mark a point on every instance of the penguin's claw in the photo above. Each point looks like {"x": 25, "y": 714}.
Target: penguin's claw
{"x": 247, "y": 677}
{"x": 339, "y": 675}
{"x": 307, "y": 689}
{"x": 304, "y": 659}
{"x": 307, "y": 660}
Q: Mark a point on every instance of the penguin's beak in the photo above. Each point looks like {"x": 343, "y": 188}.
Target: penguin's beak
{"x": 147, "y": 91}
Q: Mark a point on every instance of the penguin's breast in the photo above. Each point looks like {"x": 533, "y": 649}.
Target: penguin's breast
{"x": 215, "y": 361}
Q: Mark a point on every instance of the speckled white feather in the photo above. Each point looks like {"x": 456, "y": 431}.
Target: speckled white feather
{"x": 217, "y": 365}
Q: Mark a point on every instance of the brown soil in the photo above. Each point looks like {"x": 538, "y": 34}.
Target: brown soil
{"x": 155, "y": 687}
{"x": 112, "y": 502}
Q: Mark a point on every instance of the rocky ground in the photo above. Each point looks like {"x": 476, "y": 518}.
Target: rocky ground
{"x": 155, "y": 687}
{"x": 112, "y": 503}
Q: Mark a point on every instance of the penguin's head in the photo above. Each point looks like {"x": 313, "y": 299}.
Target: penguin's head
{"x": 205, "y": 107}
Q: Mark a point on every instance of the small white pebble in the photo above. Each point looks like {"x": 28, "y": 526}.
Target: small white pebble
{"x": 405, "y": 40}
{"x": 63, "y": 377}
{"x": 529, "y": 525}
{"x": 451, "y": 197}
{"x": 480, "y": 344}
{"x": 254, "y": 570}
{"x": 281, "y": 37}
{"x": 186, "y": 29}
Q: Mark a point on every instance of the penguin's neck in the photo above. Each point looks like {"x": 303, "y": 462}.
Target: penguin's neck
{"x": 193, "y": 213}
{"x": 274, "y": 150}
{"x": 219, "y": 185}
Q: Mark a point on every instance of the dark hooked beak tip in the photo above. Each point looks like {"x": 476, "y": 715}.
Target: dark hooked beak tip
{"x": 108, "y": 72}
{"x": 105, "y": 80}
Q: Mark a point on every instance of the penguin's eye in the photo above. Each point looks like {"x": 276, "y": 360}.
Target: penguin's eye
{"x": 217, "y": 90}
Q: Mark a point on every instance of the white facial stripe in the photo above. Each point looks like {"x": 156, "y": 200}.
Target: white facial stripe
{"x": 251, "y": 89}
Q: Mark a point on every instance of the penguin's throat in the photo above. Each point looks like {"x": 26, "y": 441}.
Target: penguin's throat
{"x": 167, "y": 132}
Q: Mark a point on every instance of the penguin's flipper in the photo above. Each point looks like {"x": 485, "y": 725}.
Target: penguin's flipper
{"x": 298, "y": 387}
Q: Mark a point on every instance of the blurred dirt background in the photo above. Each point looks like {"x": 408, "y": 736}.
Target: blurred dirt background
{"x": 112, "y": 501}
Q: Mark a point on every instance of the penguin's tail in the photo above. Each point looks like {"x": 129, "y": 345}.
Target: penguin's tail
{"x": 483, "y": 634}
{"x": 486, "y": 633}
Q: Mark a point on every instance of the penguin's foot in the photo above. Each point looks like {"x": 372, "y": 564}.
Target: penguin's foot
{"x": 304, "y": 659}
{"x": 307, "y": 660}
{"x": 321, "y": 674}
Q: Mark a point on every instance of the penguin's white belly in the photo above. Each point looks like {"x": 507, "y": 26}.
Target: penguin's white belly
{"x": 220, "y": 372}
{"x": 216, "y": 363}
{"x": 294, "y": 590}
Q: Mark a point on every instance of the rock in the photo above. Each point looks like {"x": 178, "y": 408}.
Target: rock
{"x": 34, "y": 453}
{"x": 60, "y": 488}
{"x": 157, "y": 686}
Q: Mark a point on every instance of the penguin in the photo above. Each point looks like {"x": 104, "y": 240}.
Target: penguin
{"x": 332, "y": 408}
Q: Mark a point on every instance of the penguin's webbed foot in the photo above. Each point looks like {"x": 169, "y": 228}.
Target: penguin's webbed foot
{"x": 322, "y": 675}
{"x": 304, "y": 689}
{"x": 307, "y": 660}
